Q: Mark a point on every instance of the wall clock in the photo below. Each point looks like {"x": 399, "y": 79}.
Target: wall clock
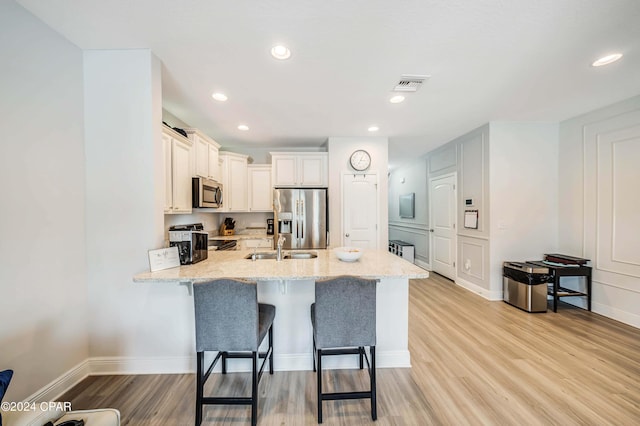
{"x": 360, "y": 160}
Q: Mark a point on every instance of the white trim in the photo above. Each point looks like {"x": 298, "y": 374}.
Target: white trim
{"x": 424, "y": 227}
{"x": 616, "y": 314}
{"x": 487, "y": 294}
{"x": 187, "y": 364}
{"x": 423, "y": 265}
{"x": 59, "y": 386}
{"x": 98, "y": 366}
{"x": 142, "y": 365}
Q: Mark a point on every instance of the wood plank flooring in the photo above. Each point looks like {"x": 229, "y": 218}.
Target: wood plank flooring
{"x": 474, "y": 362}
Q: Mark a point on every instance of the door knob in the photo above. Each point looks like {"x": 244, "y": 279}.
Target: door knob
{"x": 346, "y": 235}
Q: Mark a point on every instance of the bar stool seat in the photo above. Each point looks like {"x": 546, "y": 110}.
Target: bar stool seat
{"x": 344, "y": 322}
{"x": 229, "y": 320}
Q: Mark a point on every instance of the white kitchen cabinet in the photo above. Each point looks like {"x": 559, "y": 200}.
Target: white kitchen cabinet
{"x": 177, "y": 179}
{"x": 205, "y": 160}
{"x": 168, "y": 180}
{"x": 234, "y": 182}
{"x": 260, "y": 189}
{"x": 299, "y": 169}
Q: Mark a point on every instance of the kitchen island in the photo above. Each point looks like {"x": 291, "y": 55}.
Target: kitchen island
{"x": 289, "y": 285}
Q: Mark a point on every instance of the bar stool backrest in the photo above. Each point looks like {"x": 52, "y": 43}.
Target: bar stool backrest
{"x": 226, "y": 315}
{"x": 345, "y": 312}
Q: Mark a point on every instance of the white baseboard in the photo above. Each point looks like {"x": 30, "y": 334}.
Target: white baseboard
{"x": 616, "y": 314}
{"x": 187, "y": 364}
{"x": 423, "y": 265}
{"x": 142, "y": 365}
{"x": 487, "y": 294}
{"x": 66, "y": 381}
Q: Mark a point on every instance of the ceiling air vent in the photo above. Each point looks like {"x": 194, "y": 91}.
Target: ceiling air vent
{"x": 410, "y": 83}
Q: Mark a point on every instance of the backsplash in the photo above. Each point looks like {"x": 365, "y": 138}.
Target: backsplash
{"x": 212, "y": 221}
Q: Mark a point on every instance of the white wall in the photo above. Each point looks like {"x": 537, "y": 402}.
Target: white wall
{"x": 411, "y": 179}
{"x": 340, "y": 150}
{"x": 599, "y": 204}
{"x": 125, "y": 203}
{"x": 524, "y": 193}
{"x": 43, "y": 296}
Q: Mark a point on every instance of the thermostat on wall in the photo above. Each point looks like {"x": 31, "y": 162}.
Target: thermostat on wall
{"x": 468, "y": 202}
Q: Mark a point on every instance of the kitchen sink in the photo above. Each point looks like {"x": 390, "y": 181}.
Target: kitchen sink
{"x": 289, "y": 255}
{"x": 261, "y": 255}
{"x": 301, "y": 255}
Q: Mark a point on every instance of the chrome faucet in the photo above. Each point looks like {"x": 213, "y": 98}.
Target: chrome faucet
{"x": 281, "y": 240}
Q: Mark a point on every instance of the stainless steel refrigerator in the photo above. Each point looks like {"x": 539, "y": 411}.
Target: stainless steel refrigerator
{"x": 300, "y": 215}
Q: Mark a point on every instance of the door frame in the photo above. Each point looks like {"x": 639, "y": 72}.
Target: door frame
{"x": 373, "y": 173}
{"x": 455, "y": 234}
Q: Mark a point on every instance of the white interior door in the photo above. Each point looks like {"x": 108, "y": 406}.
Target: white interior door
{"x": 360, "y": 210}
{"x": 443, "y": 225}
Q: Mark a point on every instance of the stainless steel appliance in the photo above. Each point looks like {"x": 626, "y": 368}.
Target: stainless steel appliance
{"x": 525, "y": 285}
{"x": 300, "y": 216}
{"x": 206, "y": 193}
{"x": 192, "y": 242}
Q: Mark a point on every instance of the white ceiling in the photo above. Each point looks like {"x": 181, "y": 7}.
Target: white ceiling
{"x": 519, "y": 60}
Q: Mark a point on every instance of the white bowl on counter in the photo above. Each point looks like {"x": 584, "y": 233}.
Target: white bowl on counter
{"x": 348, "y": 254}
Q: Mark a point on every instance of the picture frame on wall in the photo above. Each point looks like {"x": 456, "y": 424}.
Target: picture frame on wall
{"x": 407, "y": 205}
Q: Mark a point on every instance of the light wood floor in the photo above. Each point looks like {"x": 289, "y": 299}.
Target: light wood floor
{"x": 473, "y": 362}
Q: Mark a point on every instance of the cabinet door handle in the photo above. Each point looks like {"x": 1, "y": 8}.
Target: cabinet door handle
{"x": 346, "y": 235}
{"x": 430, "y": 230}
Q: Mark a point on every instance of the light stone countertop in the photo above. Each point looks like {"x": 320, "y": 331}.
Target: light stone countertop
{"x": 376, "y": 264}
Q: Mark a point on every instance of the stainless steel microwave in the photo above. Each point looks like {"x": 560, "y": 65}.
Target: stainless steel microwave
{"x": 206, "y": 193}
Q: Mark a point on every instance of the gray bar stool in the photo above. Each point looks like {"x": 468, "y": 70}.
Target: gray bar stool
{"x": 344, "y": 322}
{"x": 230, "y": 320}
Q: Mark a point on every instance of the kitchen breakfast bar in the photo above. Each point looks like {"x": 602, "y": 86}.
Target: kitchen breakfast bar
{"x": 289, "y": 285}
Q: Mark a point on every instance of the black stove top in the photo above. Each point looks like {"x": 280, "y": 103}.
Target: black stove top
{"x": 223, "y": 244}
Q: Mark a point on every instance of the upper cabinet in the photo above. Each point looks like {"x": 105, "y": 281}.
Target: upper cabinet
{"x": 260, "y": 188}
{"x": 177, "y": 176}
{"x": 299, "y": 169}
{"x": 234, "y": 182}
{"x": 205, "y": 155}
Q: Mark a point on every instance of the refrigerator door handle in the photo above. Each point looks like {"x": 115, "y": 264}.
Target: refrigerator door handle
{"x": 302, "y": 219}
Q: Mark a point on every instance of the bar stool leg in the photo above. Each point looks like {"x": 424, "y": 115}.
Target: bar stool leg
{"x": 374, "y": 406}
{"x": 254, "y": 389}
{"x": 199, "y": 386}
{"x": 319, "y": 373}
{"x": 271, "y": 347}
{"x": 314, "y": 354}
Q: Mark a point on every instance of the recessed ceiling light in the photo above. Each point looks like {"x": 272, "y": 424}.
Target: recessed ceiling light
{"x": 373, "y": 129}
{"x": 280, "y": 52}
{"x": 606, "y": 60}
{"x": 396, "y": 99}
{"x": 219, "y": 97}
{"x": 243, "y": 127}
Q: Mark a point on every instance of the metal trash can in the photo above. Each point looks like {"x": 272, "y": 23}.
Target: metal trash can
{"x": 524, "y": 285}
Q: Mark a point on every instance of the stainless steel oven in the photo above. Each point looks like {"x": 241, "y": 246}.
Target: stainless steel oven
{"x": 206, "y": 193}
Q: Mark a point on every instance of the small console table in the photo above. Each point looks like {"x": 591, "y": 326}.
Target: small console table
{"x": 575, "y": 267}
